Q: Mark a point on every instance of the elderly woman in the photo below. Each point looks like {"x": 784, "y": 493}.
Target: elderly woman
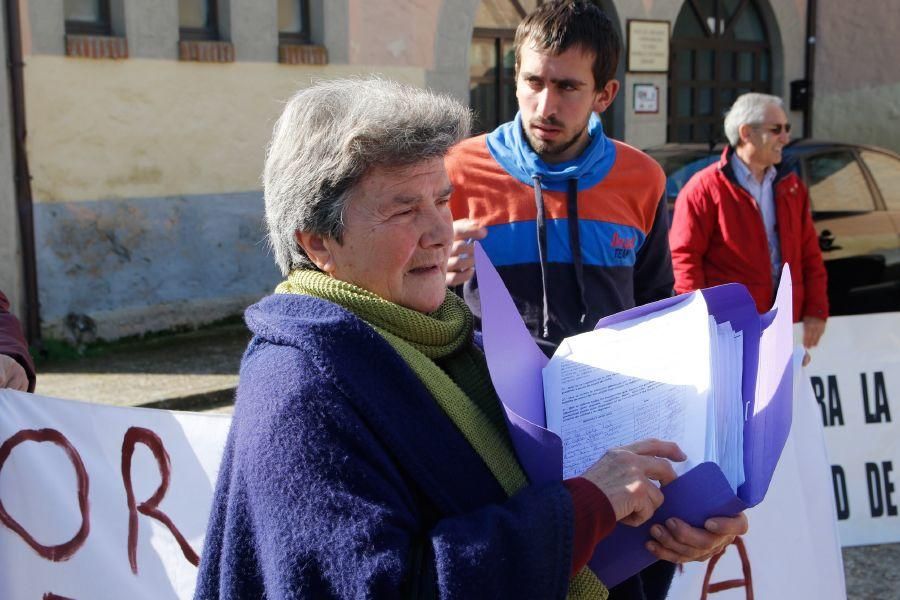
{"x": 368, "y": 457}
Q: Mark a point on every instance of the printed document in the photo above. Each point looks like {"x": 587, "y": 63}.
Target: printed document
{"x": 668, "y": 375}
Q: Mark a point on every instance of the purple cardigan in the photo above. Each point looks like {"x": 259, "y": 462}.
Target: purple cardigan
{"x": 342, "y": 478}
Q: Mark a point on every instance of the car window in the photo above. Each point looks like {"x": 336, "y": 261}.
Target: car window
{"x": 886, "y": 171}
{"x": 837, "y": 183}
{"x": 680, "y": 168}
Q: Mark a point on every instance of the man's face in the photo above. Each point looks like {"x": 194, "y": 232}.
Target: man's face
{"x": 764, "y": 144}
{"x": 556, "y": 97}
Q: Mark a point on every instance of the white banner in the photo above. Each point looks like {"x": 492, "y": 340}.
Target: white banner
{"x": 792, "y": 549}
{"x": 107, "y": 502}
{"x": 855, "y": 380}
{"x": 103, "y": 502}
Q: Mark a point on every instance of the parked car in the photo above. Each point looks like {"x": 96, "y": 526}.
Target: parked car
{"x": 855, "y": 202}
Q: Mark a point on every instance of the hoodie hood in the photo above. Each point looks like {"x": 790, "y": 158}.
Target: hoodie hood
{"x": 509, "y": 147}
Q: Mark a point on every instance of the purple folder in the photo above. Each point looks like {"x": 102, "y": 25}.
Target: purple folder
{"x": 515, "y": 363}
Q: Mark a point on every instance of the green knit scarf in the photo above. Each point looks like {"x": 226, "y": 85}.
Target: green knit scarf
{"x": 438, "y": 348}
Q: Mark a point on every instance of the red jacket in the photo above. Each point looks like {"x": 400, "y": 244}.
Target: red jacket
{"x": 12, "y": 342}
{"x": 718, "y": 237}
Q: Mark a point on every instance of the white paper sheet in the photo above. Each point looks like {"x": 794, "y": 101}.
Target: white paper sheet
{"x": 726, "y": 431}
{"x": 649, "y": 377}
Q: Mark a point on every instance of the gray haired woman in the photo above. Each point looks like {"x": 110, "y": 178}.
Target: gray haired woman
{"x": 368, "y": 456}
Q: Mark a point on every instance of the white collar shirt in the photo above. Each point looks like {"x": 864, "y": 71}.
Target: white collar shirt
{"x": 763, "y": 193}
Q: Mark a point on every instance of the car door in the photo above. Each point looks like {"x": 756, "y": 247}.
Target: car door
{"x": 884, "y": 169}
{"x": 855, "y": 234}
{"x": 847, "y": 216}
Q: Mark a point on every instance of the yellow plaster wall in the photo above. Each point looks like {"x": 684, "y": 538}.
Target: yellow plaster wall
{"x": 393, "y": 33}
{"x": 146, "y": 128}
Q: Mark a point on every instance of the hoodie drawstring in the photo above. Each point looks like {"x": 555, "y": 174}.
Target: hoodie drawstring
{"x": 542, "y": 253}
{"x": 575, "y": 244}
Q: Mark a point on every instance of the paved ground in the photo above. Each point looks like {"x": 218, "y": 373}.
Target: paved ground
{"x": 190, "y": 371}
{"x": 873, "y": 572}
{"x": 198, "y": 371}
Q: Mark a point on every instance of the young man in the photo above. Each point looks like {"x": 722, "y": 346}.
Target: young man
{"x": 741, "y": 219}
{"x": 574, "y": 221}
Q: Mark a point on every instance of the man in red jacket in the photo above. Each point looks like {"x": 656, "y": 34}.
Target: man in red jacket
{"x": 741, "y": 219}
{"x": 16, "y": 367}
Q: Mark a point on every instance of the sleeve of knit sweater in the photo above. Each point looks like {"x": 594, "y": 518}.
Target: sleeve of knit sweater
{"x": 594, "y": 519}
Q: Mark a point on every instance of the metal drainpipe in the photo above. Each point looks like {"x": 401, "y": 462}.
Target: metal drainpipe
{"x": 24, "y": 203}
{"x": 810, "y": 66}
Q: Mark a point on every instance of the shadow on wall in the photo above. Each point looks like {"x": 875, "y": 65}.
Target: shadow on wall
{"x": 114, "y": 268}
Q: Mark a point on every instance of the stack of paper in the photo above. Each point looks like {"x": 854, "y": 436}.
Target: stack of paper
{"x": 727, "y": 411}
{"x": 673, "y": 375}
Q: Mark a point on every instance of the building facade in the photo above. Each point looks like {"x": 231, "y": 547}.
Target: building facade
{"x": 147, "y": 122}
{"x": 857, "y": 73}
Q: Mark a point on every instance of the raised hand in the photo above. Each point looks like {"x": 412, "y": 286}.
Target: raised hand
{"x": 461, "y": 265}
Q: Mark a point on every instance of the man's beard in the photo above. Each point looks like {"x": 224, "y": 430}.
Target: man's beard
{"x": 546, "y": 149}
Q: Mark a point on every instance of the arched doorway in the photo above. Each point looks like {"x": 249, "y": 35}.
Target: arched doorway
{"x": 720, "y": 49}
{"x": 492, "y": 64}
{"x": 492, "y": 61}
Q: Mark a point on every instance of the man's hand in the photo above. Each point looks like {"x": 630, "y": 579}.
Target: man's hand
{"x": 461, "y": 265}
{"x": 813, "y": 328}
{"x": 12, "y": 374}
{"x": 678, "y": 542}
{"x": 624, "y": 475}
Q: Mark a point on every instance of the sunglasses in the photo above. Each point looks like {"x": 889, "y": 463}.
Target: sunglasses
{"x": 777, "y": 128}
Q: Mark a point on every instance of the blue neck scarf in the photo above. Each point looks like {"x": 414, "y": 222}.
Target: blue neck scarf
{"x": 509, "y": 147}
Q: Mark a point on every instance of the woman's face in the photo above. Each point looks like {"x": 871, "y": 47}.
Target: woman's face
{"x": 397, "y": 235}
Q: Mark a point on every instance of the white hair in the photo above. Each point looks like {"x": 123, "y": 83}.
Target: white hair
{"x": 748, "y": 109}
{"x": 330, "y": 136}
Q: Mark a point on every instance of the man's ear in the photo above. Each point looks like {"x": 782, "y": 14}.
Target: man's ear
{"x": 605, "y": 97}
{"x": 317, "y": 249}
{"x": 744, "y": 132}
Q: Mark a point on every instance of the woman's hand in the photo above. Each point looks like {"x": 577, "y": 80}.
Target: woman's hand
{"x": 624, "y": 475}
{"x": 12, "y": 375}
{"x": 678, "y": 542}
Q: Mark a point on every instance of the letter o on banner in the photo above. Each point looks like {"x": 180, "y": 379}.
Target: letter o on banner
{"x": 63, "y": 551}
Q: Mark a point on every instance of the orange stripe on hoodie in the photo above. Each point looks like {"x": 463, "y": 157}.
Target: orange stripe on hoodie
{"x": 628, "y": 195}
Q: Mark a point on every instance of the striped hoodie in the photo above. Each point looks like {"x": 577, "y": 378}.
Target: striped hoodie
{"x": 573, "y": 241}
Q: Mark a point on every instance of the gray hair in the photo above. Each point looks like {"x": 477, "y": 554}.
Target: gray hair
{"x": 330, "y": 136}
{"x": 748, "y": 109}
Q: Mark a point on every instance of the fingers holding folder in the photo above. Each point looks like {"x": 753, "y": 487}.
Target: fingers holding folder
{"x": 678, "y": 542}
{"x": 627, "y": 474}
